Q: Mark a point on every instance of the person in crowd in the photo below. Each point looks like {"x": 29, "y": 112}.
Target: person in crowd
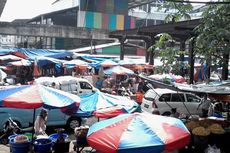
{"x": 140, "y": 85}
{"x": 98, "y": 83}
{"x": 106, "y": 83}
{"x": 40, "y": 123}
{"x": 174, "y": 113}
{"x": 155, "y": 112}
{"x": 205, "y": 104}
{"x": 139, "y": 96}
{"x": 216, "y": 109}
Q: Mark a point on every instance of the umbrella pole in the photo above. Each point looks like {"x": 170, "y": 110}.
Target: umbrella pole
{"x": 33, "y": 126}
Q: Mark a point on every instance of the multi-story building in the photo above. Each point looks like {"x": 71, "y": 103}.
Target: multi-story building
{"x": 94, "y": 14}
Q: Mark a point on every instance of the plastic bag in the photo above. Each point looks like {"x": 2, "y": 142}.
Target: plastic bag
{"x": 212, "y": 149}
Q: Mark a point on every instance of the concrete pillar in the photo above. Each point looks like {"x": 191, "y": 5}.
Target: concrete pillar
{"x": 224, "y": 74}
{"x": 148, "y": 44}
{"x": 191, "y": 61}
{"x": 152, "y": 53}
{"x": 122, "y": 44}
{"x": 182, "y": 49}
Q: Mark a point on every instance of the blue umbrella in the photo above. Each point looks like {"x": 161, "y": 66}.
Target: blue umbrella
{"x": 103, "y": 105}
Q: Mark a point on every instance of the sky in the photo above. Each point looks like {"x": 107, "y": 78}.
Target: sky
{"x": 24, "y": 9}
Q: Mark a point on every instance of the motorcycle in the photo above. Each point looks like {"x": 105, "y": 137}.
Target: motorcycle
{"x": 11, "y": 128}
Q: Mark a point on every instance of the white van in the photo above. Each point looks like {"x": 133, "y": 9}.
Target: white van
{"x": 165, "y": 99}
{"x": 69, "y": 84}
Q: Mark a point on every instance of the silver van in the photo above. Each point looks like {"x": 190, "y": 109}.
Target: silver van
{"x": 165, "y": 99}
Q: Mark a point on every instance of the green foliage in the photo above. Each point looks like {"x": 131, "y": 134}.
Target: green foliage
{"x": 181, "y": 11}
{"x": 164, "y": 47}
{"x": 213, "y": 34}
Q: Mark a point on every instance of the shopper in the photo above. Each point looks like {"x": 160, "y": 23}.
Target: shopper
{"x": 40, "y": 123}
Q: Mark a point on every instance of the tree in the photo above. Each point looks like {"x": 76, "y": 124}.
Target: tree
{"x": 213, "y": 36}
{"x": 165, "y": 43}
{"x": 181, "y": 10}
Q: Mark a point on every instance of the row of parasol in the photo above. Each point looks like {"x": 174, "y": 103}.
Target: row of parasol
{"x": 124, "y": 131}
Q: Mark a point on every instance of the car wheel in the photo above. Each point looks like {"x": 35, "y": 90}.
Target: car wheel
{"x": 166, "y": 114}
{"x": 73, "y": 122}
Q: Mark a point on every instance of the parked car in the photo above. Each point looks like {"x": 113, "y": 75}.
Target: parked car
{"x": 24, "y": 117}
{"x": 69, "y": 84}
{"x": 165, "y": 99}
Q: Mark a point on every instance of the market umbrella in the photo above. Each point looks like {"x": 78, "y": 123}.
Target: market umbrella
{"x": 36, "y": 96}
{"x": 169, "y": 77}
{"x": 138, "y": 133}
{"x": 103, "y": 105}
{"x": 108, "y": 63}
{"x": 118, "y": 70}
{"x": 21, "y": 62}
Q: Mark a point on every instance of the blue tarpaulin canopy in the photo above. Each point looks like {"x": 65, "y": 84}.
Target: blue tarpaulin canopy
{"x": 4, "y": 51}
{"x": 33, "y": 53}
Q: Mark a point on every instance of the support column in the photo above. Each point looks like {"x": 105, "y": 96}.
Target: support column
{"x": 182, "y": 50}
{"x": 224, "y": 74}
{"x": 148, "y": 44}
{"x": 149, "y": 56}
{"x": 122, "y": 53}
{"x": 152, "y": 53}
{"x": 191, "y": 61}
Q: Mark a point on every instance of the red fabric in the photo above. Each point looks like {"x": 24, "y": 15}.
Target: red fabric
{"x": 176, "y": 138}
{"x": 108, "y": 112}
{"x": 109, "y": 143}
{"x": 22, "y": 100}
{"x": 36, "y": 71}
{"x": 19, "y": 54}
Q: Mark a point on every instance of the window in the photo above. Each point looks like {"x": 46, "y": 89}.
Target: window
{"x": 85, "y": 85}
{"x": 150, "y": 94}
{"x": 178, "y": 97}
{"x": 192, "y": 98}
{"x": 165, "y": 97}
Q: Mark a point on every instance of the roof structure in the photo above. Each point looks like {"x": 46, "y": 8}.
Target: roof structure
{"x": 135, "y": 3}
{"x": 2, "y": 5}
{"x": 178, "y": 30}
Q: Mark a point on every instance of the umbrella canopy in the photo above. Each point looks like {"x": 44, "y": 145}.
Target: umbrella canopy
{"x": 103, "y": 105}
{"x": 138, "y": 133}
{"x": 21, "y": 62}
{"x": 169, "y": 77}
{"x": 35, "y": 96}
{"x": 118, "y": 70}
{"x": 77, "y": 63}
{"x": 108, "y": 63}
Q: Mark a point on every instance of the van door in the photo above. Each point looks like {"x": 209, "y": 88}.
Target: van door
{"x": 84, "y": 87}
{"x": 178, "y": 101}
{"x": 56, "y": 118}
